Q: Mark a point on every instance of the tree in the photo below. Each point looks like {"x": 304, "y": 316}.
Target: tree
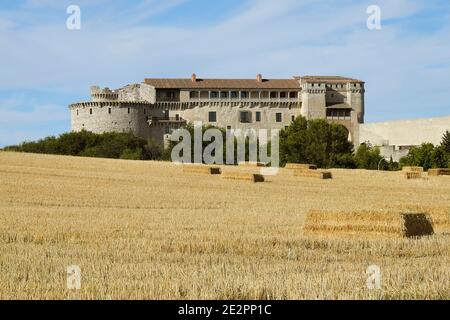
{"x": 107, "y": 145}
{"x": 368, "y": 157}
{"x": 439, "y": 158}
{"x": 446, "y": 142}
{"x": 315, "y": 141}
{"x": 421, "y": 156}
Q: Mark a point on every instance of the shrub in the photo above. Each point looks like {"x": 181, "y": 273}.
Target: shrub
{"x": 87, "y": 144}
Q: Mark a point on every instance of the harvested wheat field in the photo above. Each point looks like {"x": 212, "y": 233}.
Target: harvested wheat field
{"x": 147, "y": 230}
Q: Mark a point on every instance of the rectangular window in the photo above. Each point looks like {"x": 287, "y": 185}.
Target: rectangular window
{"x": 293, "y": 118}
{"x": 193, "y": 94}
{"x": 109, "y": 110}
{"x": 90, "y": 111}
{"x": 279, "y": 117}
{"x": 177, "y": 117}
{"x": 273, "y": 95}
{"x": 224, "y": 95}
{"x": 228, "y": 127}
{"x": 77, "y": 111}
{"x": 214, "y": 95}
{"x": 234, "y": 94}
{"x": 258, "y": 116}
{"x": 293, "y": 95}
{"x": 283, "y": 95}
{"x": 212, "y": 117}
{"x": 244, "y": 95}
{"x": 167, "y": 130}
{"x": 128, "y": 110}
{"x": 244, "y": 117}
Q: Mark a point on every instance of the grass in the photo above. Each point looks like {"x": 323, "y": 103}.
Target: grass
{"x": 145, "y": 230}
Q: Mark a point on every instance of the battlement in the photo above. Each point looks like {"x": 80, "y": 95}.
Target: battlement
{"x": 98, "y": 94}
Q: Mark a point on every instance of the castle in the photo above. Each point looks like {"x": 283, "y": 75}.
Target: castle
{"x": 156, "y": 107}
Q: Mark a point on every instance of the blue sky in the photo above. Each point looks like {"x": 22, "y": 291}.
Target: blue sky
{"x": 44, "y": 67}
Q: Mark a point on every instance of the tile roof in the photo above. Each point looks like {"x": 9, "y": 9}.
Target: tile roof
{"x": 330, "y": 79}
{"x": 288, "y": 84}
{"x": 223, "y": 84}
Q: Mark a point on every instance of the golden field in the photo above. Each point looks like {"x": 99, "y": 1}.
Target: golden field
{"x": 147, "y": 230}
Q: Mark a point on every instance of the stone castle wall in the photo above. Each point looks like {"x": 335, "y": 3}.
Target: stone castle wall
{"x": 130, "y": 108}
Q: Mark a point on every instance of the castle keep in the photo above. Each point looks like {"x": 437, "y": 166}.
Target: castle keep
{"x": 156, "y": 107}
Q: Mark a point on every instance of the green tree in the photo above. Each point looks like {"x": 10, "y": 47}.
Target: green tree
{"x": 421, "y": 156}
{"x": 368, "y": 157}
{"x": 315, "y": 141}
{"x": 446, "y": 142}
{"x": 107, "y": 145}
{"x": 439, "y": 158}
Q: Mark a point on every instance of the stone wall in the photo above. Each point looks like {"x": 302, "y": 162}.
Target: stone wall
{"x": 404, "y": 132}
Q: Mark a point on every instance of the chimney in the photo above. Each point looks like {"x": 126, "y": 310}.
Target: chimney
{"x": 259, "y": 77}
{"x": 194, "y": 77}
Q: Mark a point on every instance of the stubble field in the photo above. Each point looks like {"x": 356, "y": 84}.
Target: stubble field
{"x": 146, "y": 230}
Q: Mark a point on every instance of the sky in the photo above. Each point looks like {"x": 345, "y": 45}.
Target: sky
{"x": 44, "y": 66}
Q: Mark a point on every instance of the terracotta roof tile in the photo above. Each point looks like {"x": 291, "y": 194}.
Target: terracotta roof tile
{"x": 288, "y": 84}
{"x": 330, "y": 79}
{"x": 223, "y": 84}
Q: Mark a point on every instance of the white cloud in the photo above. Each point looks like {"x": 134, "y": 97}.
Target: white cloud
{"x": 277, "y": 38}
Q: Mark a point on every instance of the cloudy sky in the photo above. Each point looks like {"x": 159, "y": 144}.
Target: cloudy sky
{"x": 44, "y": 66}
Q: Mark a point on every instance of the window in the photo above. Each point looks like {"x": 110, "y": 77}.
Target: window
{"x": 258, "y": 116}
{"x": 177, "y": 117}
{"x": 224, "y": 95}
{"x": 128, "y": 110}
{"x": 167, "y": 130}
{"x": 145, "y": 111}
{"x": 170, "y": 95}
{"x": 273, "y": 95}
{"x": 90, "y": 111}
{"x": 228, "y": 127}
{"x": 244, "y": 95}
{"x": 283, "y": 95}
{"x": 234, "y": 94}
{"x": 214, "y": 95}
{"x": 77, "y": 111}
{"x": 109, "y": 110}
{"x": 212, "y": 116}
{"x": 279, "y": 117}
{"x": 193, "y": 94}
{"x": 244, "y": 117}
{"x": 293, "y": 118}
{"x": 293, "y": 95}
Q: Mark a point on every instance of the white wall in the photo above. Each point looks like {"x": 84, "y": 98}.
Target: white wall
{"x": 404, "y": 132}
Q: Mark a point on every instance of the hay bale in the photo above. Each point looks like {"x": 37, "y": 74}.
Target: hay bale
{"x": 440, "y": 215}
{"x": 439, "y": 172}
{"x": 300, "y": 166}
{"x": 253, "y": 177}
{"x": 313, "y": 174}
{"x": 200, "y": 169}
{"x": 369, "y": 224}
{"x": 413, "y": 175}
{"x": 413, "y": 169}
{"x": 251, "y": 164}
